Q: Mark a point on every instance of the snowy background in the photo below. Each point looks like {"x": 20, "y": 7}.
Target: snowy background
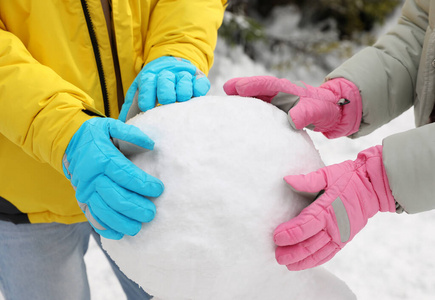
{"x": 392, "y": 258}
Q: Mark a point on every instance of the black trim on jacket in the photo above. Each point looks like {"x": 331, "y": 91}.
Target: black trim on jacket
{"x": 97, "y": 55}
{"x": 10, "y": 213}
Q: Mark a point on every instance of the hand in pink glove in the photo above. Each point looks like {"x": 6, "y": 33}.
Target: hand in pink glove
{"x": 350, "y": 193}
{"x": 334, "y": 108}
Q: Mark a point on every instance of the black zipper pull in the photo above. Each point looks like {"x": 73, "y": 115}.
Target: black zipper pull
{"x": 343, "y": 101}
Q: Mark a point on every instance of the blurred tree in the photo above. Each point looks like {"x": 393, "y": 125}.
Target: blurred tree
{"x": 265, "y": 7}
{"x": 239, "y": 7}
{"x": 328, "y": 26}
{"x": 350, "y": 16}
{"x": 240, "y": 27}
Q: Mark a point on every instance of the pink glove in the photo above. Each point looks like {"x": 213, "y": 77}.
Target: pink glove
{"x": 334, "y": 108}
{"x": 351, "y": 193}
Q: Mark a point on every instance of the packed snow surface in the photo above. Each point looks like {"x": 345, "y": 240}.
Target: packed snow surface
{"x": 222, "y": 160}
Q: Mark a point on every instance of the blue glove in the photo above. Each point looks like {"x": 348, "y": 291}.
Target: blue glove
{"x": 167, "y": 79}
{"x": 110, "y": 189}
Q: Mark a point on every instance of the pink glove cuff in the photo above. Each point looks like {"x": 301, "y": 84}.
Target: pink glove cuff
{"x": 349, "y": 97}
{"x": 378, "y": 175}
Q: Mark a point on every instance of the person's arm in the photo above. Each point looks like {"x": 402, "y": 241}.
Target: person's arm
{"x": 178, "y": 52}
{"x": 186, "y": 29}
{"x": 39, "y": 111}
{"x": 380, "y": 81}
{"x": 395, "y": 177}
{"x": 409, "y": 160}
{"x": 348, "y": 195}
{"x": 55, "y": 122}
{"x": 386, "y": 73}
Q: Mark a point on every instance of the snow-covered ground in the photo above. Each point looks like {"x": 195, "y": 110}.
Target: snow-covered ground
{"x": 391, "y": 258}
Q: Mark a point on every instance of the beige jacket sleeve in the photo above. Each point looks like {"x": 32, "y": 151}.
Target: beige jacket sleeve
{"x": 409, "y": 159}
{"x": 387, "y": 75}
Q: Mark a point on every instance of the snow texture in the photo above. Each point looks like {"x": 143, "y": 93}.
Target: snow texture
{"x": 222, "y": 160}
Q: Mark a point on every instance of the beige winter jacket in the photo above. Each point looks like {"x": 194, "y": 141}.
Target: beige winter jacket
{"x": 396, "y": 73}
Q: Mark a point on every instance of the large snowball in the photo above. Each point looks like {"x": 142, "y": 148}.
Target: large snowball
{"x": 222, "y": 160}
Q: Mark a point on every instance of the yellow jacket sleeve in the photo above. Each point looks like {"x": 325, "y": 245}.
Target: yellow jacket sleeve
{"x": 39, "y": 111}
{"x": 186, "y": 29}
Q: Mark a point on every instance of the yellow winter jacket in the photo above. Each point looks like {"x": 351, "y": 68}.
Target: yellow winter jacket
{"x": 57, "y": 68}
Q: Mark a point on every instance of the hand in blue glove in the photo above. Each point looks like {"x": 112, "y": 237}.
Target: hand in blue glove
{"x": 110, "y": 189}
{"x": 167, "y": 79}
